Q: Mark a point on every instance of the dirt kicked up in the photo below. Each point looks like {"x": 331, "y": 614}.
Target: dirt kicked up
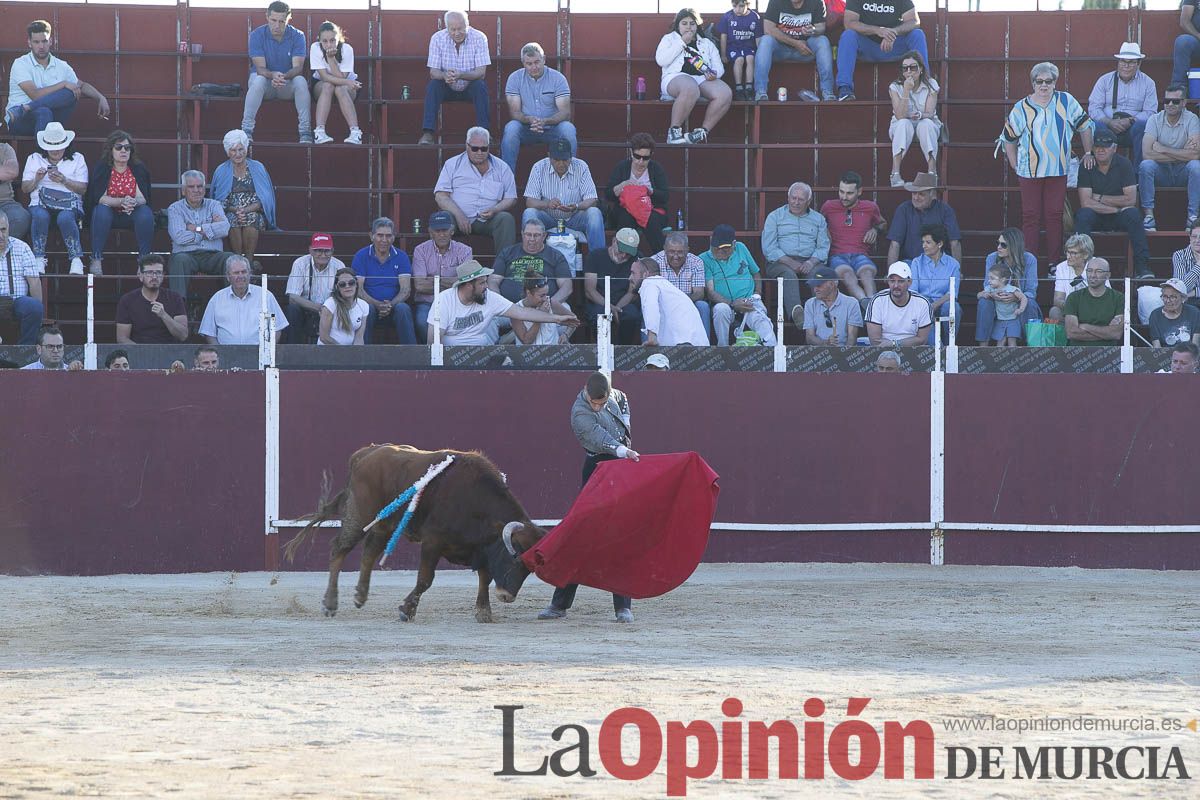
{"x": 232, "y": 686}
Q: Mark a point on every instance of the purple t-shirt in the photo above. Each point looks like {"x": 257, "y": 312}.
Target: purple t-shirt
{"x": 741, "y": 32}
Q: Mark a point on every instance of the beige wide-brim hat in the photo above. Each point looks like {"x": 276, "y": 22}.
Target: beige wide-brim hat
{"x": 470, "y": 270}
{"x": 55, "y": 137}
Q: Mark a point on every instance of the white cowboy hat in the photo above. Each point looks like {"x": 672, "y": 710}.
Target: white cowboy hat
{"x": 55, "y": 137}
{"x": 1130, "y": 50}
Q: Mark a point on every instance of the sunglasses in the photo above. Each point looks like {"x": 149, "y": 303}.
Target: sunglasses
{"x": 849, "y": 218}
{"x": 1002, "y": 245}
{"x": 345, "y": 284}
{"x": 1045, "y": 81}
{"x": 1172, "y": 101}
{"x": 828, "y": 319}
{"x": 910, "y": 67}
{"x": 639, "y": 157}
{"x": 479, "y": 149}
{"x": 541, "y": 283}
{"x": 122, "y": 147}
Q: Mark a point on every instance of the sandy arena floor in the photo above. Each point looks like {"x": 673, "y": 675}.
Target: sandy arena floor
{"x": 228, "y": 686}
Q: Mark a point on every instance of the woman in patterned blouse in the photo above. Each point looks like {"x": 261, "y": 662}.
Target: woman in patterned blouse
{"x": 118, "y": 196}
{"x": 1037, "y": 140}
{"x": 244, "y": 188}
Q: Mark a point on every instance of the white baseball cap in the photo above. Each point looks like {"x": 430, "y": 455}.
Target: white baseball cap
{"x": 900, "y": 269}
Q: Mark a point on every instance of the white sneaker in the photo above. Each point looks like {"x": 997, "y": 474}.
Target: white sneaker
{"x": 355, "y": 137}
{"x": 77, "y": 266}
{"x": 675, "y": 136}
{"x": 321, "y": 137}
{"x": 40, "y": 265}
{"x": 698, "y": 135}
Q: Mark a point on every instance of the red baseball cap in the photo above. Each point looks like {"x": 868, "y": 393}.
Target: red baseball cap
{"x": 321, "y": 241}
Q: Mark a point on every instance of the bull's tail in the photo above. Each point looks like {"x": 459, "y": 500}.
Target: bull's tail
{"x": 327, "y": 508}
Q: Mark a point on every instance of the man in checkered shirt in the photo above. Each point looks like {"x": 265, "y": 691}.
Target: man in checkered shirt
{"x": 458, "y": 61}
{"x": 19, "y": 280}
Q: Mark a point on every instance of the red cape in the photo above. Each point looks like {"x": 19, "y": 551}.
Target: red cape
{"x": 637, "y": 528}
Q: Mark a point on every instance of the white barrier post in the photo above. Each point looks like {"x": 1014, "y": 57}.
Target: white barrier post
{"x": 780, "y": 350}
{"x": 436, "y": 353}
{"x": 604, "y": 348}
{"x": 271, "y": 461}
{"x": 1126, "y": 346}
{"x": 89, "y": 349}
{"x": 937, "y": 466}
{"x": 937, "y": 345}
{"x": 952, "y": 345}
{"x": 266, "y": 331}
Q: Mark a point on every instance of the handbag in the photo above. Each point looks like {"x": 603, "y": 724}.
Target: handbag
{"x": 58, "y": 199}
{"x": 1045, "y": 334}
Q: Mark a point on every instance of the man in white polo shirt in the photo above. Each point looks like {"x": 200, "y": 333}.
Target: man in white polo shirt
{"x": 231, "y": 316}
{"x": 668, "y": 315}
{"x": 896, "y": 315}
{"x": 43, "y": 88}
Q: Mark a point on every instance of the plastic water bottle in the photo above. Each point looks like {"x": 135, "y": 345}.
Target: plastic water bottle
{"x": 641, "y": 88}
{"x": 679, "y": 220}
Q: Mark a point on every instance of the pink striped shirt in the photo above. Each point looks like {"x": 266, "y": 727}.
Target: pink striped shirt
{"x": 445, "y": 55}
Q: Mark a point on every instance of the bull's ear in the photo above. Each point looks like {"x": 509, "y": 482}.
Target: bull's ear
{"x": 507, "y": 534}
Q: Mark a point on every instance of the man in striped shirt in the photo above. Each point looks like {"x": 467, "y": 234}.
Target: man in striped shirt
{"x": 19, "y": 280}
{"x": 458, "y": 61}
{"x": 1185, "y": 264}
{"x": 561, "y": 188}
{"x": 685, "y": 270}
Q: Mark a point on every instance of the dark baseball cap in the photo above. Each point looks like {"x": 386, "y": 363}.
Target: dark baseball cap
{"x": 1104, "y": 139}
{"x": 722, "y": 235}
{"x": 560, "y": 149}
{"x": 822, "y": 274}
{"x": 441, "y": 221}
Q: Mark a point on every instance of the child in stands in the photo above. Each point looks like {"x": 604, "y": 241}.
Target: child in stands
{"x": 1006, "y": 331}
{"x": 740, "y": 31}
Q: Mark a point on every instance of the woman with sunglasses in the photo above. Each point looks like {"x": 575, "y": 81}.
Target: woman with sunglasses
{"x": 638, "y": 192}
{"x": 344, "y": 313}
{"x": 1037, "y": 141}
{"x": 914, "y": 98}
{"x": 1010, "y": 253}
{"x": 118, "y": 196}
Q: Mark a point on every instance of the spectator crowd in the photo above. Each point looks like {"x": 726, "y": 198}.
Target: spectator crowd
{"x": 850, "y": 271}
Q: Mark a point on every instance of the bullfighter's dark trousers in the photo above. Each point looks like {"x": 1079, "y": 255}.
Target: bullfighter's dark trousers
{"x": 564, "y": 597}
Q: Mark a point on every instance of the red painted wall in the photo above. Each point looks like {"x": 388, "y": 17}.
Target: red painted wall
{"x": 150, "y": 473}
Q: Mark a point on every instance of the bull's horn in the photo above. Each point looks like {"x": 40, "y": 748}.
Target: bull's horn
{"x": 509, "y": 530}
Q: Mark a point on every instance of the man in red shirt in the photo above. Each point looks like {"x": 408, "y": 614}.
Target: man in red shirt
{"x": 854, "y": 226}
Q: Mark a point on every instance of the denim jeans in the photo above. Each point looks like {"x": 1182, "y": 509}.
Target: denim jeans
{"x": 1180, "y": 173}
{"x": 421, "y": 313}
{"x": 1186, "y": 49}
{"x": 29, "y": 312}
{"x": 402, "y": 318}
{"x": 518, "y": 133}
{"x": 590, "y": 221}
{"x": 855, "y": 261}
{"x": 770, "y": 50}
{"x": 852, "y": 47}
{"x": 54, "y": 107}
{"x": 439, "y": 92}
{"x": 104, "y": 218}
{"x": 68, "y": 226}
{"x": 18, "y": 219}
{"x": 985, "y": 317}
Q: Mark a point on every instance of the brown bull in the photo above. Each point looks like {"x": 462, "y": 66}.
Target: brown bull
{"x": 466, "y": 515}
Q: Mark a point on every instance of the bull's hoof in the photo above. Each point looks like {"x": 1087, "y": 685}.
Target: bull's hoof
{"x": 483, "y": 615}
{"x": 329, "y": 612}
{"x": 405, "y": 617}
{"x": 360, "y": 603}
